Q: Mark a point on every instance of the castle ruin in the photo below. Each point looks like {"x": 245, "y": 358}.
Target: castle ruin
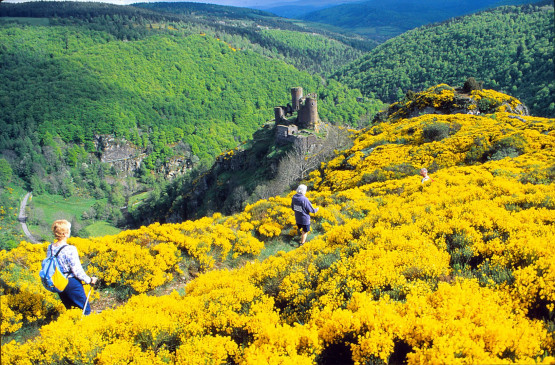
{"x": 307, "y": 118}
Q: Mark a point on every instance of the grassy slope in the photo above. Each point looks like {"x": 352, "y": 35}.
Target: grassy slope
{"x": 121, "y": 86}
{"x": 47, "y": 208}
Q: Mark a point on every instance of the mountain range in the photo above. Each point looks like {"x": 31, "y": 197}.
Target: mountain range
{"x": 383, "y": 19}
{"x": 508, "y": 48}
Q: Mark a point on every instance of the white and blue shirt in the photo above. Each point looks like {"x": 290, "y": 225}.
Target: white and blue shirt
{"x": 69, "y": 262}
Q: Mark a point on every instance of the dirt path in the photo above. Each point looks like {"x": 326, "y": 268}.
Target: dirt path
{"x": 23, "y": 219}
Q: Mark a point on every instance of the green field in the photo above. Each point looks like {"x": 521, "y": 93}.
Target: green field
{"x": 136, "y": 199}
{"x": 10, "y": 228}
{"x": 101, "y": 228}
{"x": 43, "y": 209}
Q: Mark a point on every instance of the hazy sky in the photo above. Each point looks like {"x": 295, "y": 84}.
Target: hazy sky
{"x": 241, "y": 3}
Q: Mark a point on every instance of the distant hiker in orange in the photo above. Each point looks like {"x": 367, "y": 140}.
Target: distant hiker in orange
{"x": 302, "y": 207}
{"x": 68, "y": 258}
{"x": 425, "y": 176}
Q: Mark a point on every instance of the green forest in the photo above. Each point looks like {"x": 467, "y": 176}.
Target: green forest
{"x": 167, "y": 86}
{"x": 510, "y": 49}
{"x": 153, "y": 92}
{"x": 244, "y": 28}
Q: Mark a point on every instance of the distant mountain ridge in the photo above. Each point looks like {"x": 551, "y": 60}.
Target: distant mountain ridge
{"x": 384, "y": 19}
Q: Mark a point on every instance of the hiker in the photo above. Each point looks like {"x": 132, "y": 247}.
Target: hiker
{"x": 425, "y": 176}
{"x": 74, "y": 293}
{"x": 302, "y": 207}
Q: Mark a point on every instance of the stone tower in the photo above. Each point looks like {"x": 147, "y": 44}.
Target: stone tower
{"x": 278, "y": 114}
{"x": 296, "y": 97}
{"x": 307, "y": 117}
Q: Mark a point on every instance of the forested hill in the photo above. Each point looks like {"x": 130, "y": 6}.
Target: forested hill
{"x": 153, "y": 81}
{"x": 508, "y": 48}
{"x": 298, "y": 43}
{"x": 201, "y": 10}
{"x": 384, "y": 19}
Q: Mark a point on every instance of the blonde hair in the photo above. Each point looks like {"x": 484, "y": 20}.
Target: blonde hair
{"x": 61, "y": 229}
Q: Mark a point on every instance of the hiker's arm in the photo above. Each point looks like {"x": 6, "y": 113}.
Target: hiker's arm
{"x": 310, "y": 208}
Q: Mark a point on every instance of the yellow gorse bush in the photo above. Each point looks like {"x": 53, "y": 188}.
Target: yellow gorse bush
{"x": 457, "y": 270}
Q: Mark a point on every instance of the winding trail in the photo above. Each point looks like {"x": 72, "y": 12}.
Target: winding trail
{"x": 23, "y": 219}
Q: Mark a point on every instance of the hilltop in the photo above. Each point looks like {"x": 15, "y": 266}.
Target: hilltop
{"x": 280, "y": 154}
{"x": 457, "y": 269}
{"x": 509, "y": 49}
{"x": 297, "y": 42}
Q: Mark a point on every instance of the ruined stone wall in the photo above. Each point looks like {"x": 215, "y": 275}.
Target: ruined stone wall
{"x": 285, "y": 132}
{"x": 305, "y": 142}
{"x": 279, "y": 114}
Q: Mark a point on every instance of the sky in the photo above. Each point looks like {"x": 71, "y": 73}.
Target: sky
{"x": 240, "y": 3}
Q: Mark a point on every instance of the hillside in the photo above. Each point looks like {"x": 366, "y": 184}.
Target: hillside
{"x": 50, "y": 50}
{"x": 244, "y": 28}
{"x": 381, "y": 20}
{"x": 104, "y": 101}
{"x": 252, "y": 171}
{"x": 510, "y": 49}
{"x": 459, "y": 269}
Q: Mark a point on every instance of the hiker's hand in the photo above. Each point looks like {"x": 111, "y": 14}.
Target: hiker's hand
{"x": 93, "y": 280}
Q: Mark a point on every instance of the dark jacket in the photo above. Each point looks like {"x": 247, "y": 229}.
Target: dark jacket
{"x": 301, "y": 205}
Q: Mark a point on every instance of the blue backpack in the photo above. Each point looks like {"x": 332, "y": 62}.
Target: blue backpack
{"x": 51, "y": 275}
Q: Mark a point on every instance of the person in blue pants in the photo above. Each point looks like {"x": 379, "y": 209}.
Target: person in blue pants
{"x": 302, "y": 208}
{"x": 73, "y": 295}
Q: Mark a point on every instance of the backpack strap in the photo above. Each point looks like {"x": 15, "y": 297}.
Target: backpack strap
{"x": 56, "y": 255}
{"x": 60, "y": 250}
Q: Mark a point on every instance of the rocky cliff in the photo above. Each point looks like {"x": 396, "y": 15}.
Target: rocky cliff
{"x": 126, "y": 158}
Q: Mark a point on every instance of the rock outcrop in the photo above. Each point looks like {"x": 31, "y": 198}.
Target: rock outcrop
{"x": 126, "y": 158}
{"x": 444, "y": 99}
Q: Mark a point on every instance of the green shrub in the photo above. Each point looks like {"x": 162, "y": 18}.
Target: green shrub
{"x": 499, "y": 274}
{"x": 402, "y": 170}
{"x": 375, "y": 176}
{"x": 487, "y": 105}
{"x": 471, "y": 84}
{"x": 459, "y": 247}
{"x": 436, "y": 132}
{"x": 504, "y": 152}
{"x": 324, "y": 261}
{"x": 477, "y": 151}
{"x": 511, "y": 146}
